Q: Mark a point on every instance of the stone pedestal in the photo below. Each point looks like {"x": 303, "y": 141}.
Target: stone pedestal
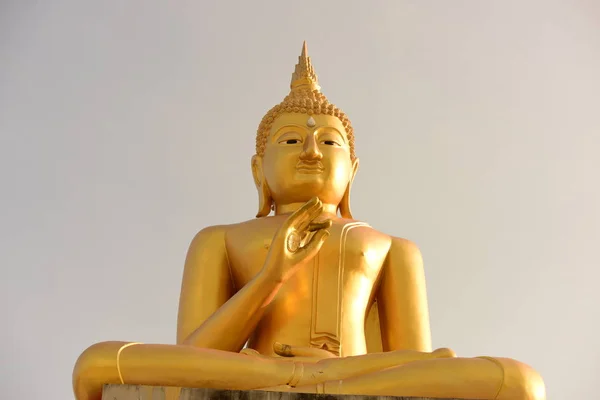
{"x": 135, "y": 392}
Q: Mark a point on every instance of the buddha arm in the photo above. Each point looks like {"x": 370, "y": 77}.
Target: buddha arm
{"x": 210, "y": 315}
{"x": 402, "y": 299}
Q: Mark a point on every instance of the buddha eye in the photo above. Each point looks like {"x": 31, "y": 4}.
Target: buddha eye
{"x": 292, "y": 140}
{"x": 330, "y": 143}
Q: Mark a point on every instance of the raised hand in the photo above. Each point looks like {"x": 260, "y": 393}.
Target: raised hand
{"x": 297, "y": 241}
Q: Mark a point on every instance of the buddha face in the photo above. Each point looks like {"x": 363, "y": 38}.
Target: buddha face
{"x": 306, "y": 156}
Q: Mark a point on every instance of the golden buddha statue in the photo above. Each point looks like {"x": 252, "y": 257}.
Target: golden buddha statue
{"x": 307, "y": 299}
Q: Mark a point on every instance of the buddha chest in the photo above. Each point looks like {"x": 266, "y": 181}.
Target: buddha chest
{"x": 324, "y": 304}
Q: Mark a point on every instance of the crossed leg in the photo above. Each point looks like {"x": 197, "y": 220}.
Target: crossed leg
{"x": 401, "y": 373}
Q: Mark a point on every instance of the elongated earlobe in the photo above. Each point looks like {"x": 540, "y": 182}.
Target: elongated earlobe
{"x": 344, "y": 206}
{"x": 264, "y": 194}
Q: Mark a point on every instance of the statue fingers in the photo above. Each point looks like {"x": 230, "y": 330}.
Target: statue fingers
{"x": 303, "y": 224}
{"x": 312, "y": 247}
{"x": 304, "y": 213}
{"x": 286, "y": 350}
{"x": 253, "y": 353}
{"x": 250, "y": 352}
{"x": 315, "y": 226}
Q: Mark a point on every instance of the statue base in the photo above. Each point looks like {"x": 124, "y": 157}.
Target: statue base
{"x": 138, "y": 392}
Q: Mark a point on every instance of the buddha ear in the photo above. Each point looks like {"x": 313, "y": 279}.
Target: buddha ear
{"x": 344, "y": 206}
{"x": 264, "y": 194}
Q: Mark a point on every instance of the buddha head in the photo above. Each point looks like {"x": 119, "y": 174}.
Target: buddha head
{"x": 304, "y": 148}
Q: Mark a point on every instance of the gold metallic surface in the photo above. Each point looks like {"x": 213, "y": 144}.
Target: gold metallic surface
{"x": 307, "y": 299}
{"x": 119, "y": 359}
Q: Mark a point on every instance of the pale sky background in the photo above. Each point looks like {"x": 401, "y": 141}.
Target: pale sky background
{"x": 127, "y": 126}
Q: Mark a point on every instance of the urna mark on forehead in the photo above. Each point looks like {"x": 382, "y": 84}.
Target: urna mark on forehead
{"x": 308, "y": 123}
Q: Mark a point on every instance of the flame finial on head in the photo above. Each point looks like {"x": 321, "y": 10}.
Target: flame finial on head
{"x": 304, "y": 76}
{"x": 305, "y": 97}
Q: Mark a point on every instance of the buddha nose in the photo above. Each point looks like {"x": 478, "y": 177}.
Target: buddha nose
{"x": 311, "y": 151}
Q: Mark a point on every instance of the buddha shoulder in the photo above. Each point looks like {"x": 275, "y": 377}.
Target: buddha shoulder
{"x": 396, "y": 249}
{"x": 221, "y": 232}
{"x": 404, "y": 254}
{"x": 210, "y": 235}
{"x": 238, "y": 236}
{"x": 207, "y": 245}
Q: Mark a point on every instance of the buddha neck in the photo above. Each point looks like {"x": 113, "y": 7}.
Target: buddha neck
{"x": 329, "y": 210}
